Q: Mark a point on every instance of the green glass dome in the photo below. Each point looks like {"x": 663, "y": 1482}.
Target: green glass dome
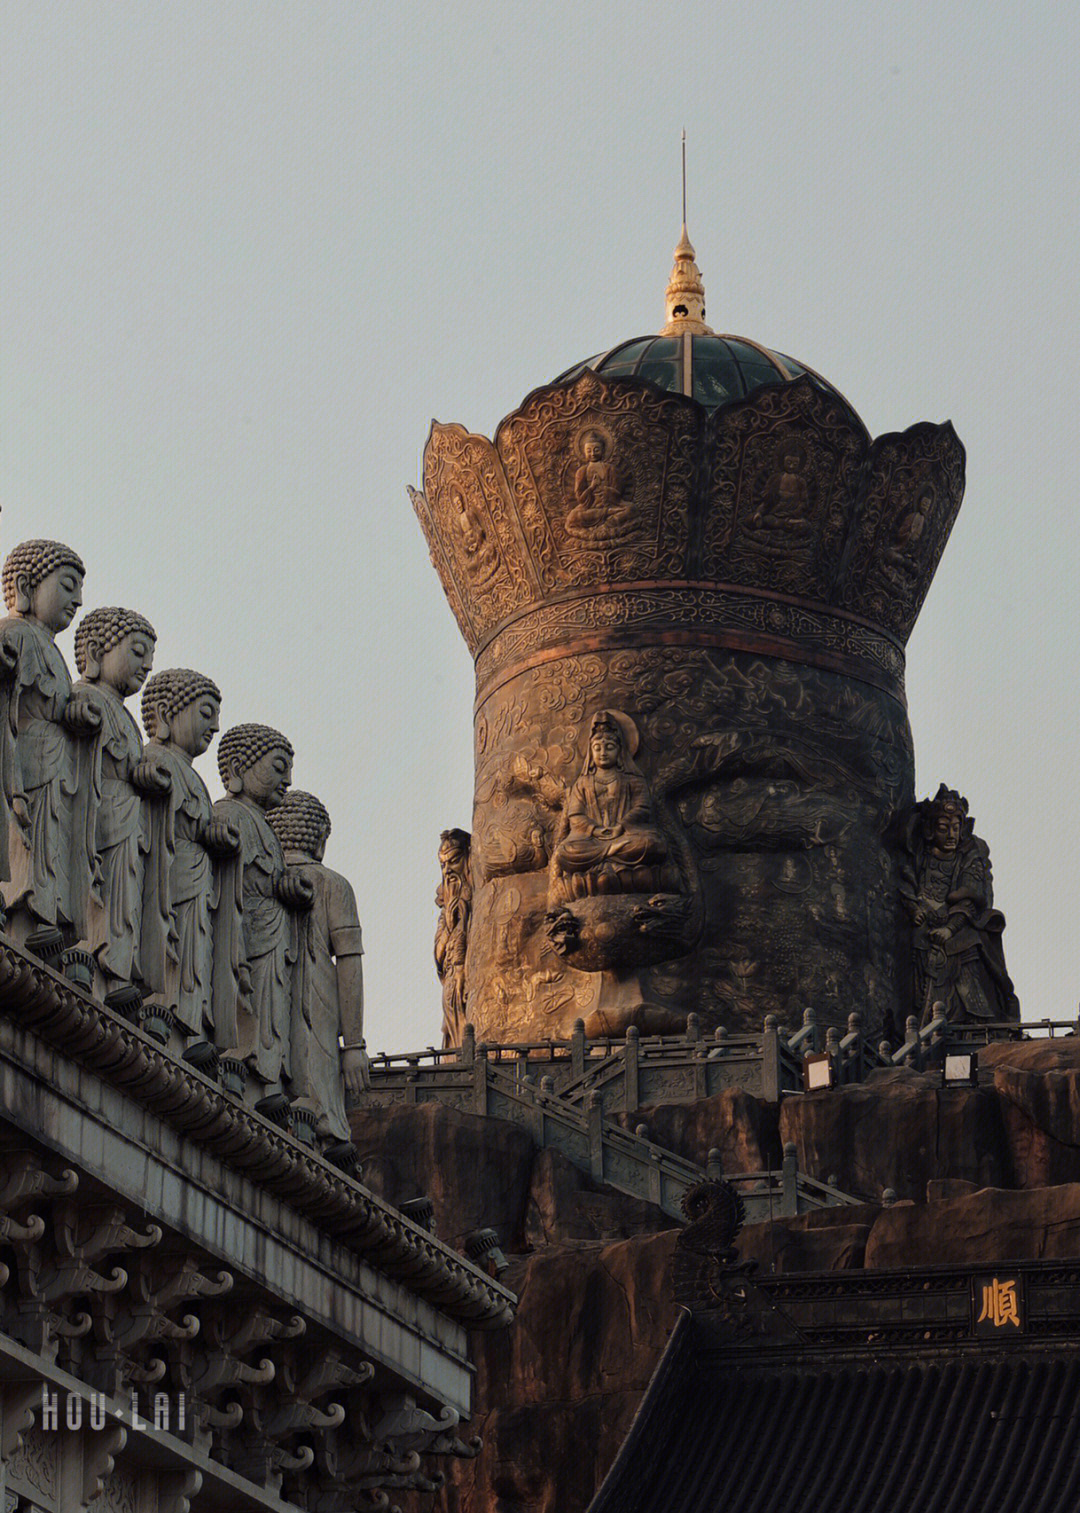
{"x": 714, "y": 370}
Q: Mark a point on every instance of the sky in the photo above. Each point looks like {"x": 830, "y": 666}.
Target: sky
{"x": 249, "y": 250}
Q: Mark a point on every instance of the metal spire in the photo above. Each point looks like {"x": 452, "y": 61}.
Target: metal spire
{"x": 685, "y": 296}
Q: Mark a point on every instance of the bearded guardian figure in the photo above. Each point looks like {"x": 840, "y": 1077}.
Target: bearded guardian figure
{"x": 42, "y": 583}
{"x": 453, "y": 899}
{"x": 959, "y": 962}
{"x": 327, "y": 1057}
{"x": 180, "y": 711}
{"x": 252, "y": 975}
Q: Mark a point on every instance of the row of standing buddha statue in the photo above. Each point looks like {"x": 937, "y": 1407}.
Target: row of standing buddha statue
{"x": 219, "y": 917}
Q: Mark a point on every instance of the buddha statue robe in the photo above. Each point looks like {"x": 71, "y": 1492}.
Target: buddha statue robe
{"x": 109, "y": 843}
{"x": 181, "y": 894}
{"x": 38, "y": 770}
{"x": 252, "y": 956}
{"x": 322, "y": 1013}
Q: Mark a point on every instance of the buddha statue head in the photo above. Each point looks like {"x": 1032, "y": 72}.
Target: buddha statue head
{"x": 115, "y": 647}
{"x": 255, "y": 763}
{"x": 301, "y": 823}
{"x": 182, "y": 709}
{"x": 43, "y": 581}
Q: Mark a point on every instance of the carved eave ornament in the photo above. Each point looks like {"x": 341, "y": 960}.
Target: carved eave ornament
{"x": 45, "y": 1003}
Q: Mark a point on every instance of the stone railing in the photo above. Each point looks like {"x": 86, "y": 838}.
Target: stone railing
{"x": 624, "y": 1076}
{"x": 580, "y": 1127}
{"x": 627, "y": 1074}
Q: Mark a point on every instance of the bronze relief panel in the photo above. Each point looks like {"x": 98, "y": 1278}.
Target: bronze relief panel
{"x": 440, "y": 563}
{"x": 785, "y": 469}
{"x": 473, "y": 518}
{"x": 603, "y": 477}
{"x": 774, "y": 792}
{"x": 913, "y": 487}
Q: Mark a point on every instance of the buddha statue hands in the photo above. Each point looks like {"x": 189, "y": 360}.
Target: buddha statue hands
{"x": 355, "y": 1069}
{"x": 9, "y": 660}
{"x": 220, "y": 838}
{"x": 150, "y": 778}
{"x": 81, "y": 716}
{"x": 295, "y": 892}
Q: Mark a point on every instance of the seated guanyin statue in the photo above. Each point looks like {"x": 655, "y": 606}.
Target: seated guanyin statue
{"x": 612, "y": 842}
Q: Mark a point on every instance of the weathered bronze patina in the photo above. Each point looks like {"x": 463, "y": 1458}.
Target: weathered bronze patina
{"x": 693, "y": 758}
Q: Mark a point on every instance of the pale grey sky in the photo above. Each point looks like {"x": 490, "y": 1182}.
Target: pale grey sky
{"x": 249, "y": 249}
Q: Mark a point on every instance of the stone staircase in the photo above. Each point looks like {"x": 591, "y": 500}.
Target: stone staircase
{"x": 576, "y": 1123}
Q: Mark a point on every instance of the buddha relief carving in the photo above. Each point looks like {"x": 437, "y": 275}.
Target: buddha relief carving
{"x": 478, "y": 554}
{"x": 785, "y": 504}
{"x": 114, "y": 651}
{"x": 42, "y": 583}
{"x": 622, "y": 887}
{"x": 612, "y": 844}
{"x": 602, "y": 510}
{"x": 901, "y": 555}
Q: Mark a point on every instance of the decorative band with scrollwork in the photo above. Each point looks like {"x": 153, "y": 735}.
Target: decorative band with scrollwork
{"x": 642, "y": 615}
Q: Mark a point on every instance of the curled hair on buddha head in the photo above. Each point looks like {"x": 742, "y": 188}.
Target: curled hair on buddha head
{"x": 101, "y": 630}
{"x": 244, "y": 745}
{"x": 300, "y": 822}
{"x": 33, "y": 561}
{"x": 169, "y": 692}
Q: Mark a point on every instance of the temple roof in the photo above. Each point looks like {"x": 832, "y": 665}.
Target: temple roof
{"x": 898, "y": 1419}
{"x": 961, "y": 1435}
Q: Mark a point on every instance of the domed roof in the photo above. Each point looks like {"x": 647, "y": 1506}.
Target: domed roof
{"x": 714, "y": 370}
{"x": 688, "y": 357}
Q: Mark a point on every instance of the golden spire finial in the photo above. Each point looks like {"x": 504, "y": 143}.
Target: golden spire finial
{"x": 685, "y": 296}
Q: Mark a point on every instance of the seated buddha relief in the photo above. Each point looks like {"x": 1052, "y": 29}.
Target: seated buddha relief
{"x": 901, "y": 555}
{"x": 479, "y": 557}
{"x": 613, "y": 844}
{"x": 602, "y": 510}
{"x": 785, "y": 503}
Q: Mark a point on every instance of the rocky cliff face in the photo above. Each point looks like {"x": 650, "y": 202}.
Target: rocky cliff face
{"x": 983, "y": 1175}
